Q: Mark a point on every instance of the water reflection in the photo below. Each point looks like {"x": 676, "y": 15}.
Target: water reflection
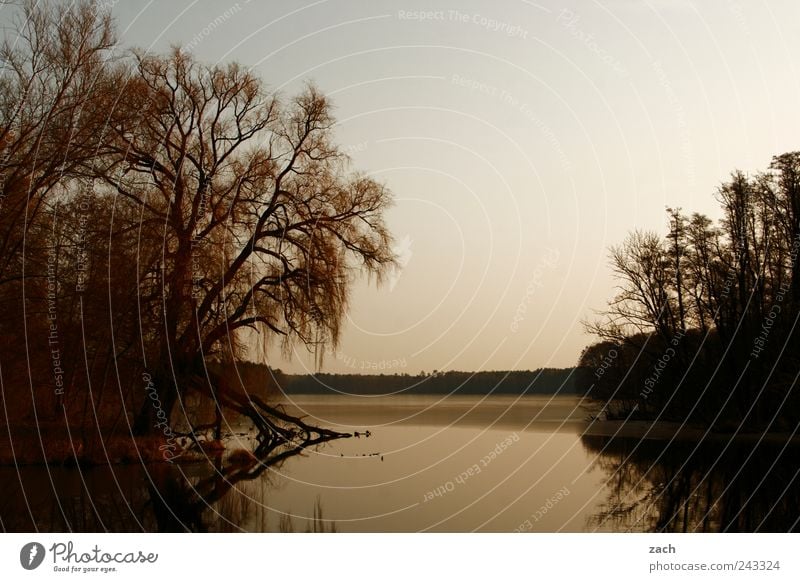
{"x": 730, "y": 486}
{"x": 225, "y": 494}
{"x": 383, "y": 483}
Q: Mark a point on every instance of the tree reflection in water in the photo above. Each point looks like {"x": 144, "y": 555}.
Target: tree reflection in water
{"x": 227, "y": 493}
{"x": 733, "y": 486}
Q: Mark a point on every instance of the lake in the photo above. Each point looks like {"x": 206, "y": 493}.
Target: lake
{"x": 453, "y": 464}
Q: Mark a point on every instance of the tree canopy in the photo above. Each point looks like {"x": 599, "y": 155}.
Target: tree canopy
{"x": 154, "y": 209}
{"x": 696, "y": 310}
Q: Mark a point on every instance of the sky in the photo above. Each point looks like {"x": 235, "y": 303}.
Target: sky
{"x": 520, "y": 140}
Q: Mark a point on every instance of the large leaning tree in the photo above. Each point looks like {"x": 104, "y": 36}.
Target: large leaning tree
{"x": 261, "y": 225}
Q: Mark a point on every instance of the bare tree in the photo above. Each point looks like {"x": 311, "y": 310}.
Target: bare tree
{"x": 677, "y": 244}
{"x": 729, "y": 289}
{"x": 263, "y": 225}
{"x": 56, "y": 81}
{"x": 57, "y": 70}
{"x": 643, "y": 303}
{"x": 786, "y": 176}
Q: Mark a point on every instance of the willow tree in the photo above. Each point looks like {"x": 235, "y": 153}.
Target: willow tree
{"x": 262, "y": 223}
{"x": 56, "y": 74}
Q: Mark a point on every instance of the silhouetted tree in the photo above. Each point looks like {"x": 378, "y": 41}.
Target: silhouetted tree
{"x": 152, "y": 211}
{"x": 57, "y": 85}
{"x": 700, "y": 308}
{"x": 263, "y": 225}
{"x": 57, "y": 79}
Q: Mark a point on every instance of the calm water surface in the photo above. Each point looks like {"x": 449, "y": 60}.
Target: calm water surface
{"x": 430, "y": 464}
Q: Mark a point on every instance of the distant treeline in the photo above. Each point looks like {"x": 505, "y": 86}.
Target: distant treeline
{"x": 542, "y": 381}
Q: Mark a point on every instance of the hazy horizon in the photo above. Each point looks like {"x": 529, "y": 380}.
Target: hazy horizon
{"x": 520, "y": 141}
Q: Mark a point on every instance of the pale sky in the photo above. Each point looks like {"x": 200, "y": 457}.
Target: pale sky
{"x": 520, "y": 139}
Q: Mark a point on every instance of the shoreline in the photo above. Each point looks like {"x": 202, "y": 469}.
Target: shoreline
{"x": 50, "y": 443}
{"x": 666, "y": 430}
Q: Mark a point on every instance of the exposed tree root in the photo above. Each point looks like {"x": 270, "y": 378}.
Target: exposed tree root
{"x": 275, "y": 427}
{"x": 180, "y": 508}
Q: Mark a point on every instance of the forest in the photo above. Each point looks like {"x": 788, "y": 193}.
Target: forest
{"x": 703, "y": 326}
{"x": 518, "y": 382}
{"x": 160, "y": 218}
